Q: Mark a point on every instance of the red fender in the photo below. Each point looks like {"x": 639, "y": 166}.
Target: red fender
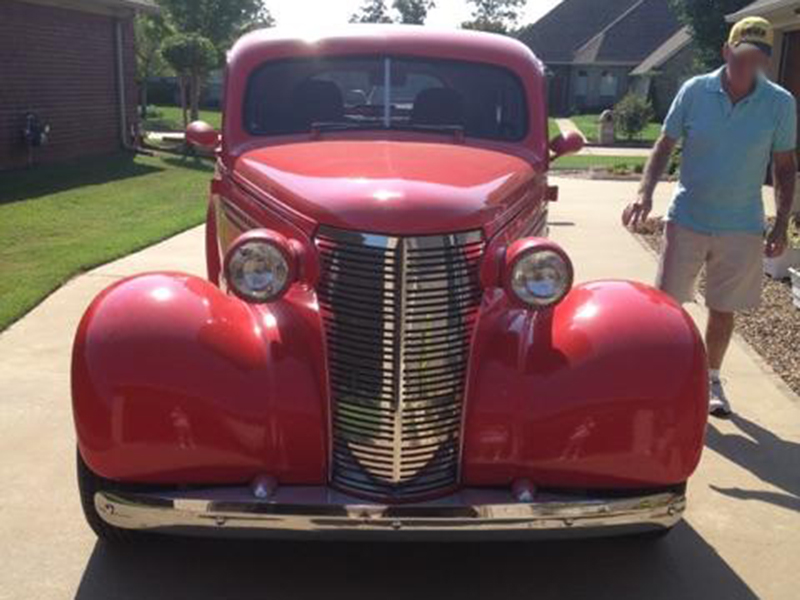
{"x": 213, "y": 262}
{"x": 607, "y": 390}
{"x": 174, "y": 381}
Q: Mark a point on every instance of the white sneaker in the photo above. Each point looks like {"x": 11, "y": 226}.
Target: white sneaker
{"x": 718, "y": 404}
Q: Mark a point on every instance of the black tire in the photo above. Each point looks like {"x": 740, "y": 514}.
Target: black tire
{"x": 88, "y": 484}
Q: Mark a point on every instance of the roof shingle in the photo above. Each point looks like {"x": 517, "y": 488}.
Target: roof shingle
{"x": 556, "y": 36}
{"x": 623, "y": 32}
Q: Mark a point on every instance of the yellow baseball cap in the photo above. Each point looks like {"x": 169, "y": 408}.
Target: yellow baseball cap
{"x": 752, "y": 32}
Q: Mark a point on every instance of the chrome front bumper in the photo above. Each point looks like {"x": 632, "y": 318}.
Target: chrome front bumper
{"x": 322, "y": 512}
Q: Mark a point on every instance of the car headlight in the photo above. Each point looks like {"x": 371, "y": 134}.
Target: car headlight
{"x": 259, "y": 266}
{"x": 539, "y": 273}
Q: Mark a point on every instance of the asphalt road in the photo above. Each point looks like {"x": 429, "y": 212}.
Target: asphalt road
{"x": 740, "y": 538}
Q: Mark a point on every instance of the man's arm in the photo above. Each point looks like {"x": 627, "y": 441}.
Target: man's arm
{"x": 636, "y": 212}
{"x": 784, "y": 174}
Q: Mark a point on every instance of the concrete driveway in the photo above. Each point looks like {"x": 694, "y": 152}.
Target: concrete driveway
{"x": 740, "y": 539}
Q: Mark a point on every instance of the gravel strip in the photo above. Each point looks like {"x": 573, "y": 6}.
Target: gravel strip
{"x": 773, "y": 329}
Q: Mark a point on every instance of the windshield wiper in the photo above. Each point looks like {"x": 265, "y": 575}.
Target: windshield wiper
{"x": 318, "y": 127}
{"x": 457, "y": 131}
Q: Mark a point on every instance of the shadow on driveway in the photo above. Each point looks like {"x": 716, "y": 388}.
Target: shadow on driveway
{"x": 681, "y": 566}
{"x": 767, "y": 456}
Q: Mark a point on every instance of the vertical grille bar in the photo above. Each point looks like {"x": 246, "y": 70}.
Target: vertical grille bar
{"x": 398, "y": 314}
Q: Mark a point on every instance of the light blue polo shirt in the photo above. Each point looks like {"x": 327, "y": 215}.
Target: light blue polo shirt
{"x": 726, "y": 152}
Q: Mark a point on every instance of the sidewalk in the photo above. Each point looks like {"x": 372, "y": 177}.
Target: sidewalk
{"x": 740, "y": 539}
{"x": 567, "y": 125}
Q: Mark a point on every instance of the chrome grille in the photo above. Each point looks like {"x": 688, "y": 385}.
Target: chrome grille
{"x": 398, "y": 312}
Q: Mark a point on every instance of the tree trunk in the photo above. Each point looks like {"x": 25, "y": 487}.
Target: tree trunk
{"x": 195, "y": 97}
{"x": 182, "y": 92}
{"x": 143, "y": 98}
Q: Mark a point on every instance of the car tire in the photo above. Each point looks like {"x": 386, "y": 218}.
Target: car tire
{"x": 88, "y": 484}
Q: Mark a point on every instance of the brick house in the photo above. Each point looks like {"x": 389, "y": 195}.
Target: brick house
{"x": 71, "y": 63}
{"x": 659, "y": 76}
{"x": 590, "y": 48}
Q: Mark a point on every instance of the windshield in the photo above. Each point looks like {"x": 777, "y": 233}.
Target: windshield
{"x": 299, "y": 95}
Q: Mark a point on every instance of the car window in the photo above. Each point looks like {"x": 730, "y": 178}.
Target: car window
{"x": 293, "y": 96}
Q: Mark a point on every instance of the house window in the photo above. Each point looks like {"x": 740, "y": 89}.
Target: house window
{"x": 608, "y": 84}
{"x": 582, "y": 83}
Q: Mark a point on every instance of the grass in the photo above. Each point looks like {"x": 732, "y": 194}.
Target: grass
{"x": 552, "y": 129}
{"x": 585, "y": 161}
{"x": 590, "y": 128}
{"x": 169, "y": 118}
{"x": 57, "y": 221}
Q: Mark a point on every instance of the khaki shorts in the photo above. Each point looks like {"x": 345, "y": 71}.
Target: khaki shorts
{"x": 734, "y": 267}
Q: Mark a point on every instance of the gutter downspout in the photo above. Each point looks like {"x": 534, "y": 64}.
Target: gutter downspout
{"x": 123, "y": 107}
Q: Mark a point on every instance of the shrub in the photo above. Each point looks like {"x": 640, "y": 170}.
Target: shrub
{"x": 632, "y": 114}
{"x": 620, "y": 169}
{"x": 674, "y": 164}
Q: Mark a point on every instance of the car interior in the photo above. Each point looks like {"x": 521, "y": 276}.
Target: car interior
{"x": 482, "y": 100}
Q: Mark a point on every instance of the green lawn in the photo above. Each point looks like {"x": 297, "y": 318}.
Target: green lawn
{"x": 57, "y": 221}
{"x": 169, "y": 118}
{"x": 588, "y": 124}
{"x": 552, "y": 129}
{"x": 584, "y": 161}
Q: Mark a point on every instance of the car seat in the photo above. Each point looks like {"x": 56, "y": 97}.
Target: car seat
{"x": 438, "y": 106}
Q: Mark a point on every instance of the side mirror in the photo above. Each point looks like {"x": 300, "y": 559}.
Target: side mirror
{"x": 566, "y": 143}
{"x": 200, "y": 133}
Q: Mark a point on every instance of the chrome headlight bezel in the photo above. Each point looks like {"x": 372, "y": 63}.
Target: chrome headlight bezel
{"x": 259, "y": 249}
{"x": 537, "y": 256}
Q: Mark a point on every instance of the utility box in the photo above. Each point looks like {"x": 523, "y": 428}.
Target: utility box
{"x": 606, "y": 126}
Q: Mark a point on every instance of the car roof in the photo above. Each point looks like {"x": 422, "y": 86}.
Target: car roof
{"x": 274, "y": 43}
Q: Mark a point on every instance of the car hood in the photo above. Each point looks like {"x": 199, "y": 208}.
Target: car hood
{"x": 394, "y": 187}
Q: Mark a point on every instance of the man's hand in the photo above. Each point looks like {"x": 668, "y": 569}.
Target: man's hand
{"x": 636, "y": 212}
{"x": 784, "y": 165}
{"x": 777, "y": 240}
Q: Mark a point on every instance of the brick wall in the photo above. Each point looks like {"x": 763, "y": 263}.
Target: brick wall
{"x": 61, "y": 64}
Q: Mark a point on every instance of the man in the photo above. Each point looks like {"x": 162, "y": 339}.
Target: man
{"x": 732, "y": 122}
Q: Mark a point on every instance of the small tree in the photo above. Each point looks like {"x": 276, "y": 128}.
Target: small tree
{"x": 413, "y": 12}
{"x": 632, "y": 114}
{"x": 191, "y": 56}
{"x": 150, "y": 31}
{"x": 495, "y": 16}
{"x": 221, "y": 21}
{"x": 372, "y": 11}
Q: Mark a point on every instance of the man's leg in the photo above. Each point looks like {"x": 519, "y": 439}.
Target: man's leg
{"x": 683, "y": 253}
{"x": 734, "y": 278}
{"x": 718, "y": 336}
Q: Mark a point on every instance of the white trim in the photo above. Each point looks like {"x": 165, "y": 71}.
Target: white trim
{"x": 761, "y": 9}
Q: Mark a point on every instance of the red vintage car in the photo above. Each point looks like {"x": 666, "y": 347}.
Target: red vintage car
{"x": 386, "y": 343}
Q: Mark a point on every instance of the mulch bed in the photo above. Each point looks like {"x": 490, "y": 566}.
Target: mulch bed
{"x": 773, "y": 329}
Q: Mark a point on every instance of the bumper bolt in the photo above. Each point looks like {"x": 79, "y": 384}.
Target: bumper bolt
{"x": 264, "y": 486}
{"x": 523, "y": 490}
